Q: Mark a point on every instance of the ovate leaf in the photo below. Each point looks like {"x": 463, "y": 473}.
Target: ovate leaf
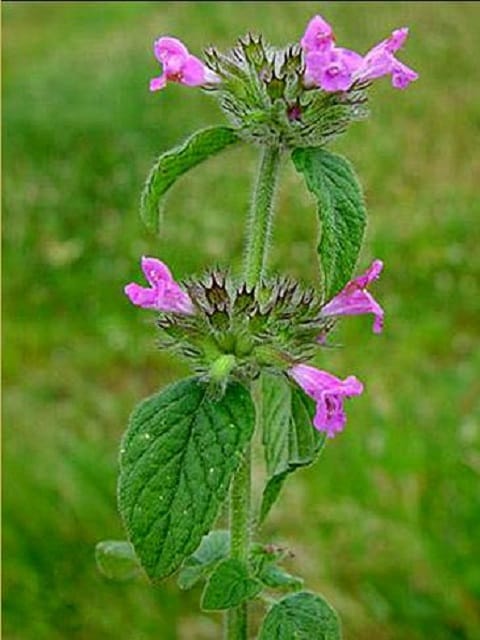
{"x": 303, "y": 616}
{"x": 116, "y": 560}
{"x": 289, "y": 438}
{"x": 229, "y": 585}
{"x": 174, "y": 163}
{"x": 178, "y": 455}
{"x": 214, "y": 547}
{"x": 341, "y": 209}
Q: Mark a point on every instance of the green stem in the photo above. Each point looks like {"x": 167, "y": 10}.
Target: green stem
{"x": 259, "y": 228}
{"x": 240, "y": 538}
{"x": 261, "y": 215}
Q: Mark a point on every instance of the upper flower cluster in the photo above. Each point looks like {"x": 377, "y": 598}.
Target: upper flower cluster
{"x": 337, "y": 69}
{"x": 302, "y": 95}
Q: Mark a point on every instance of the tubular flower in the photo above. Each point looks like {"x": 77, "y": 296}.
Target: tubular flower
{"x": 179, "y": 65}
{"x": 380, "y": 61}
{"x": 329, "y": 393}
{"x": 164, "y": 294}
{"x": 354, "y": 299}
{"x": 336, "y": 69}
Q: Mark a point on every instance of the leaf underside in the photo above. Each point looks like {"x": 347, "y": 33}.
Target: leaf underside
{"x": 341, "y": 209}
{"x": 178, "y": 455}
{"x": 116, "y": 560}
{"x": 214, "y": 547}
{"x": 174, "y": 163}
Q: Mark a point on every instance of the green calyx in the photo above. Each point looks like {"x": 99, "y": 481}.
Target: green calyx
{"x": 263, "y": 94}
{"x": 240, "y": 330}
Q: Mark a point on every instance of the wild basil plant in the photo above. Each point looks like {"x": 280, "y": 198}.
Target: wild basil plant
{"x": 249, "y": 336}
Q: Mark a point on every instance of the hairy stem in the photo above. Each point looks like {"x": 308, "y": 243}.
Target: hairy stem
{"x": 258, "y": 235}
{"x": 261, "y": 214}
{"x": 240, "y": 538}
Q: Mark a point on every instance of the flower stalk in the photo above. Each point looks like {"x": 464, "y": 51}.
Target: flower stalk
{"x": 261, "y": 214}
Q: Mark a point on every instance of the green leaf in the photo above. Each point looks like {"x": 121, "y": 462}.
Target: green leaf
{"x": 289, "y": 438}
{"x": 214, "y": 547}
{"x": 304, "y": 616}
{"x": 277, "y": 578}
{"x": 116, "y": 560}
{"x": 178, "y": 456}
{"x": 228, "y": 586}
{"x": 174, "y": 163}
{"x": 341, "y": 209}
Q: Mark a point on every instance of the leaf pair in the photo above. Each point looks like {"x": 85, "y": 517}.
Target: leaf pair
{"x": 328, "y": 176}
{"x": 301, "y": 615}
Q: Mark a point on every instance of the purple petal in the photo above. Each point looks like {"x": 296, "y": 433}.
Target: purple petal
{"x": 354, "y": 299}
{"x": 158, "y": 83}
{"x": 166, "y": 48}
{"x": 175, "y": 299}
{"x": 371, "y": 274}
{"x": 193, "y": 72}
{"x": 335, "y": 78}
{"x": 377, "y": 63}
{"x": 173, "y": 67}
{"x": 316, "y": 382}
{"x": 332, "y": 70}
{"x": 329, "y": 393}
{"x": 380, "y": 61}
{"x": 397, "y": 39}
{"x": 390, "y": 45}
{"x": 351, "y": 59}
{"x": 402, "y": 75}
{"x": 164, "y": 293}
{"x": 318, "y": 35}
{"x": 155, "y": 271}
{"x": 141, "y": 296}
{"x": 356, "y": 302}
{"x": 330, "y": 415}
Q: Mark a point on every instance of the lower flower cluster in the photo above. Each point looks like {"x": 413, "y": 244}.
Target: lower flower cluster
{"x": 276, "y": 325}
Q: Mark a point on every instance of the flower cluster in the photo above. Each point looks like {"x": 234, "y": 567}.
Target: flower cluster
{"x": 334, "y": 68}
{"x": 301, "y": 95}
{"x": 276, "y": 324}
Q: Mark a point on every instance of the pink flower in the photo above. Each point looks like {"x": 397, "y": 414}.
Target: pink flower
{"x": 336, "y": 69}
{"x": 328, "y": 393}
{"x": 318, "y": 35}
{"x": 164, "y": 294}
{"x": 354, "y": 299}
{"x": 380, "y": 61}
{"x": 179, "y": 65}
{"x": 332, "y": 69}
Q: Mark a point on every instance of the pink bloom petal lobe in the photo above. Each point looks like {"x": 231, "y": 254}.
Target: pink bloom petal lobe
{"x": 329, "y": 394}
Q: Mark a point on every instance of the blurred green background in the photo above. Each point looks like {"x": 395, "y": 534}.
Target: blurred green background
{"x": 387, "y": 524}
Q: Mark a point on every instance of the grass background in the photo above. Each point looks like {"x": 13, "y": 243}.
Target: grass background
{"x": 387, "y": 524}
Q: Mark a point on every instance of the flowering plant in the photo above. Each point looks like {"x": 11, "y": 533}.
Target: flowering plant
{"x": 248, "y": 337}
